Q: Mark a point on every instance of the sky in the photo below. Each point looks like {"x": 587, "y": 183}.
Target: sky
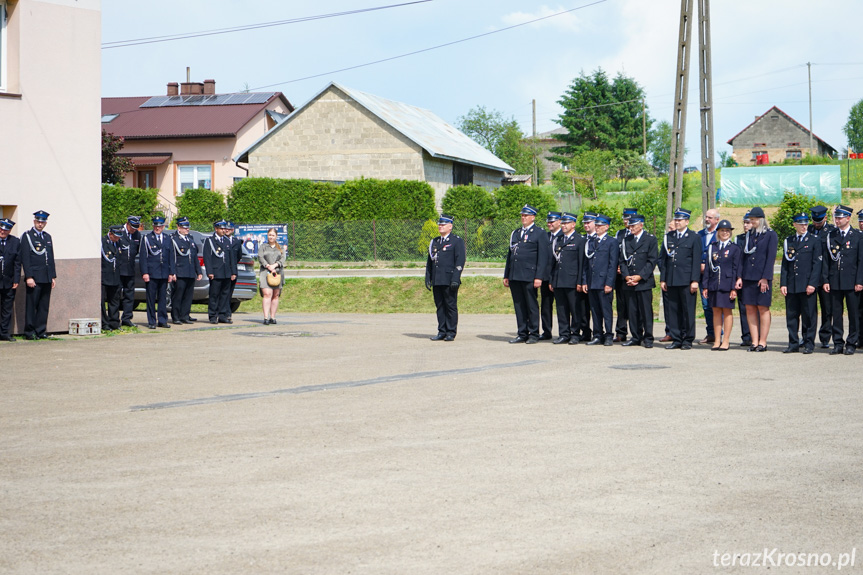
{"x": 760, "y": 54}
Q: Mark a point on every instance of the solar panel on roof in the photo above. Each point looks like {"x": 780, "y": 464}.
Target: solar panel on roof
{"x": 208, "y": 100}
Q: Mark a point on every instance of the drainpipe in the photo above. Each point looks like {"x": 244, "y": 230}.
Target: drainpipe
{"x": 237, "y": 163}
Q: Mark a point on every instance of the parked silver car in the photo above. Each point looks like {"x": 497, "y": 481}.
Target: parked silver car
{"x": 246, "y": 288}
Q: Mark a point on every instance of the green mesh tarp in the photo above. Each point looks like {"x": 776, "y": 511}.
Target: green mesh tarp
{"x": 765, "y": 185}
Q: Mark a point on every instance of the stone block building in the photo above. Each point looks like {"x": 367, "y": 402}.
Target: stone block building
{"x": 343, "y": 134}
{"x": 773, "y": 137}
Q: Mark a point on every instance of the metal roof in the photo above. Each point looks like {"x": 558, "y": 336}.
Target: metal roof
{"x": 209, "y": 99}
{"x": 431, "y": 133}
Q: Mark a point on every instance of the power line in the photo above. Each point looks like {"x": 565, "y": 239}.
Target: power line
{"x": 186, "y": 35}
{"x": 430, "y": 48}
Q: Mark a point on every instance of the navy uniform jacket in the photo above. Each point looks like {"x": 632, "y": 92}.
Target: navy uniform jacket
{"x": 684, "y": 267}
{"x": 527, "y": 259}
{"x": 445, "y": 261}
{"x": 236, "y": 247}
{"x": 185, "y": 256}
{"x": 37, "y": 256}
{"x": 703, "y": 233}
{"x": 759, "y": 264}
{"x": 639, "y": 259}
{"x": 804, "y": 269}
{"x": 218, "y": 258}
{"x": 157, "y": 259}
{"x": 10, "y": 262}
{"x": 822, "y": 232}
{"x": 728, "y": 260}
{"x": 600, "y": 269}
{"x": 569, "y": 261}
{"x": 130, "y": 244}
{"x": 847, "y": 272}
{"x": 552, "y": 262}
{"x": 110, "y": 262}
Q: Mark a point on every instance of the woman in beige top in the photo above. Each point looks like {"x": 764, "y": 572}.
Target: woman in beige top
{"x": 272, "y": 259}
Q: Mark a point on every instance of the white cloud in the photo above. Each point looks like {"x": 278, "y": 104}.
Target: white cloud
{"x": 557, "y": 17}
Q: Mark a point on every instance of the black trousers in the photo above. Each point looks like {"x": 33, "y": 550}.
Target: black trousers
{"x": 111, "y": 296}
{"x": 622, "y": 308}
{"x": 157, "y": 293}
{"x": 851, "y": 299}
{"x": 639, "y": 306}
{"x": 681, "y": 314}
{"x": 220, "y": 299}
{"x": 797, "y": 306}
{"x": 601, "y": 309}
{"x": 825, "y": 301}
{"x": 36, "y": 310}
{"x": 745, "y": 334}
{"x": 546, "y": 308}
{"x": 230, "y": 293}
{"x": 446, "y": 307}
{"x": 526, "y": 308}
{"x": 127, "y": 284}
{"x": 583, "y": 312}
{"x": 181, "y": 299}
{"x": 568, "y": 319}
{"x": 7, "y": 308}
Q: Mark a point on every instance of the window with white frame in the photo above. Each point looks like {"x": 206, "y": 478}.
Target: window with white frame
{"x": 193, "y": 176}
{"x": 3, "y": 49}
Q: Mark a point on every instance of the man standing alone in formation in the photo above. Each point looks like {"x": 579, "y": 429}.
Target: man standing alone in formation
{"x": 37, "y": 259}
{"x": 443, "y": 276}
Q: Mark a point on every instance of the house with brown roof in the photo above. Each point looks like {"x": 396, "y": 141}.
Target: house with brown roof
{"x": 186, "y": 138}
{"x": 773, "y": 137}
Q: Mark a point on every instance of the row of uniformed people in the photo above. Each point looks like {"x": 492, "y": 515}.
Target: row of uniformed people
{"x": 166, "y": 258}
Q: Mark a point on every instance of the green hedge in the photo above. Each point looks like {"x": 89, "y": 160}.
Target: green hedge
{"x": 202, "y": 207}
{"x": 471, "y": 201}
{"x": 510, "y": 199}
{"x": 118, "y": 203}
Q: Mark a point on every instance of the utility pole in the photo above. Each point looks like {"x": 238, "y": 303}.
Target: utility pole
{"x": 809, "y": 68}
{"x": 678, "y": 129}
{"x": 705, "y": 89}
{"x": 533, "y": 146}
{"x": 644, "y": 128}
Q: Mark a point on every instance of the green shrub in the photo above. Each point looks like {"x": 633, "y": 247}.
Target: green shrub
{"x": 274, "y": 200}
{"x": 510, "y": 199}
{"x": 468, "y": 202}
{"x": 118, "y": 203}
{"x": 791, "y": 205}
{"x": 202, "y": 207}
{"x": 601, "y": 207}
{"x": 370, "y": 199}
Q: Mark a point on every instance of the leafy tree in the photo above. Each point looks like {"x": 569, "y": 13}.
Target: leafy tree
{"x": 629, "y": 165}
{"x": 601, "y": 115}
{"x": 114, "y": 167}
{"x": 726, "y": 161}
{"x": 510, "y": 199}
{"x": 517, "y": 152}
{"x": 854, "y": 127}
{"x": 485, "y": 127}
{"x": 792, "y": 204}
{"x": 595, "y": 164}
{"x": 659, "y": 147}
{"x": 468, "y": 202}
{"x": 202, "y": 206}
{"x": 118, "y": 203}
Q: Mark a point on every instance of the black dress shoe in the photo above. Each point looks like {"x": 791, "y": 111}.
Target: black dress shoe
{"x": 806, "y": 350}
{"x": 838, "y": 350}
{"x": 438, "y": 337}
{"x": 151, "y": 326}
{"x": 545, "y": 336}
{"x": 128, "y": 324}
{"x": 849, "y": 351}
{"x": 7, "y": 338}
{"x": 186, "y": 321}
{"x": 575, "y": 340}
{"x": 685, "y": 346}
{"x": 272, "y": 321}
{"x": 214, "y": 321}
{"x": 518, "y": 339}
{"x": 229, "y": 320}
{"x": 176, "y": 322}
{"x": 532, "y": 339}
{"x": 164, "y": 325}
{"x": 791, "y": 349}
{"x": 595, "y": 341}
{"x": 761, "y": 348}
{"x": 825, "y": 345}
{"x": 608, "y": 342}
{"x": 561, "y": 339}
{"x": 191, "y": 319}
{"x": 647, "y": 345}
{"x": 674, "y": 345}
{"x": 619, "y": 339}
{"x": 449, "y": 338}
{"x": 745, "y": 344}
{"x": 631, "y": 342}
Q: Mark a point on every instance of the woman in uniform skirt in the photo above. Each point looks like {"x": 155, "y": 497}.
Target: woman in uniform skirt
{"x": 272, "y": 259}
{"x": 721, "y": 279}
{"x": 759, "y": 257}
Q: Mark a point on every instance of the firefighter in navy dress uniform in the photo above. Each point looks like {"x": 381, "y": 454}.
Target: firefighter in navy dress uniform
{"x": 600, "y": 273}
{"x": 819, "y": 228}
{"x": 798, "y": 281}
{"x": 444, "y": 265}
{"x": 188, "y": 270}
{"x": 638, "y": 256}
{"x": 526, "y": 264}
{"x": 619, "y": 284}
{"x": 745, "y": 335}
{"x": 235, "y": 245}
{"x": 721, "y": 280}
{"x": 10, "y": 274}
{"x": 759, "y": 257}
{"x": 567, "y": 280}
{"x": 679, "y": 274}
{"x": 130, "y": 245}
{"x": 111, "y": 286}
{"x": 582, "y": 297}
{"x": 157, "y": 269}
{"x": 219, "y": 264}
{"x": 37, "y": 260}
{"x": 843, "y": 279}
{"x": 546, "y": 304}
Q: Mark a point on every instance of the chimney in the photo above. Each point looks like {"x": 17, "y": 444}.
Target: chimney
{"x": 209, "y": 87}
{"x": 173, "y": 88}
{"x": 191, "y": 88}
